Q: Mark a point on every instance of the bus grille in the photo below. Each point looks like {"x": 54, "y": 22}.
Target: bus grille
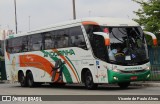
{"x": 132, "y": 71}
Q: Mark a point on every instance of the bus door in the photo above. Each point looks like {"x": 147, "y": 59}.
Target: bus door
{"x": 100, "y": 53}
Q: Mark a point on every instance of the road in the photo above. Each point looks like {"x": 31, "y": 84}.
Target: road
{"x": 15, "y": 89}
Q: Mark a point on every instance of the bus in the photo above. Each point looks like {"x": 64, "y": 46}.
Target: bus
{"x": 89, "y": 51}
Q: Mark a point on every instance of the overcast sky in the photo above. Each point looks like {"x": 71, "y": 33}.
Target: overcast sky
{"x": 46, "y": 12}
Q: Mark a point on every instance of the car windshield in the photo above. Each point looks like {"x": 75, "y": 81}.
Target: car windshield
{"x": 128, "y": 45}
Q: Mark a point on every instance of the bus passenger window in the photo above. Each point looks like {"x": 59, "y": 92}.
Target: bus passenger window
{"x": 24, "y": 44}
{"x": 77, "y": 38}
{"x": 35, "y": 42}
{"x": 49, "y": 40}
{"x": 62, "y": 39}
{"x": 16, "y": 45}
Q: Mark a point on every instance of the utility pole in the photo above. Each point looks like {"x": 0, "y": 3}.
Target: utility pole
{"x": 29, "y": 22}
{"x": 74, "y": 9}
{"x": 15, "y": 15}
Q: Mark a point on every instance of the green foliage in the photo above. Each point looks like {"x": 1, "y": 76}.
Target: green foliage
{"x": 149, "y": 16}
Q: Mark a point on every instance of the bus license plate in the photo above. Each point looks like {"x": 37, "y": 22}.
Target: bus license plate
{"x": 134, "y": 78}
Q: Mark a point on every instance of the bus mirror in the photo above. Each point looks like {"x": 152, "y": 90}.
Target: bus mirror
{"x": 105, "y": 36}
{"x": 154, "y": 38}
{"x": 155, "y": 43}
{"x": 107, "y": 42}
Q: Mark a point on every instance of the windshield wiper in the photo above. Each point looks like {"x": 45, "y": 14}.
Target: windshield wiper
{"x": 116, "y": 37}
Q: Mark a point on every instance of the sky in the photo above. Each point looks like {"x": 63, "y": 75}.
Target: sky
{"x": 33, "y": 14}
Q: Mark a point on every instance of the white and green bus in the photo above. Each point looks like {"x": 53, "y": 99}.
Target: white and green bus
{"x": 92, "y": 51}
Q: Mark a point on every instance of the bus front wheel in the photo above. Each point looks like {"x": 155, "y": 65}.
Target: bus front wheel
{"x": 89, "y": 81}
{"x": 124, "y": 85}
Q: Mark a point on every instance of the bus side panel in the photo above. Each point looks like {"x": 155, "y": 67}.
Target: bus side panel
{"x": 83, "y": 59}
{"x": 12, "y": 65}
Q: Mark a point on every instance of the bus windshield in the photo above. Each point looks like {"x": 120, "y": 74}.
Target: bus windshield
{"x": 127, "y": 45}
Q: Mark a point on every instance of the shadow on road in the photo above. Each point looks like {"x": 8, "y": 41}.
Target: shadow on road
{"x": 82, "y": 87}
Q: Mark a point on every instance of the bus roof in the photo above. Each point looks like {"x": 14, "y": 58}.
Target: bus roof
{"x": 103, "y": 21}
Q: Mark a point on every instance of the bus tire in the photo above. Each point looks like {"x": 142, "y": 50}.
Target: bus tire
{"x": 22, "y": 79}
{"x": 30, "y": 80}
{"x": 89, "y": 84}
{"x": 124, "y": 85}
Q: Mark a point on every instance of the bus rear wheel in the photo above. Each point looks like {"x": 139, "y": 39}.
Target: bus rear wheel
{"x": 124, "y": 85}
{"x": 89, "y": 81}
{"x": 22, "y": 79}
{"x": 30, "y": 80}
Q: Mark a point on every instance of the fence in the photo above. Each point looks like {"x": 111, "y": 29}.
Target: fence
{"x": 154, "y": 54}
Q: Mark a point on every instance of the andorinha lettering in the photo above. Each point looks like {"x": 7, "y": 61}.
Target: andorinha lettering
{"x": 59, "y": 53}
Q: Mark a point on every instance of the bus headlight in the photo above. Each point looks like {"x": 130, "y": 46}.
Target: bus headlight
{"x": 115, "y": 78}
{"x": 148, "y": 75}
{"x": 147, "y": 68}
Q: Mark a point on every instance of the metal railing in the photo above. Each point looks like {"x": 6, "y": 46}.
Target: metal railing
{"x": 154, "y": 54}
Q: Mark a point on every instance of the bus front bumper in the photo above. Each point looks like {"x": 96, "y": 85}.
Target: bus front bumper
{"x": 118, "y": 77}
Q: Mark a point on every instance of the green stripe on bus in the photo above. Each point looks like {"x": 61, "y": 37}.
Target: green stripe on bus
{"x": 65, "y": 71}
{"x": 73, "y": 67}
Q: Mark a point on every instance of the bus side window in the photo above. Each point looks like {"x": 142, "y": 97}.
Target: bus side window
{"x": 62, "y": 38}
{"x": 24, "y": 44}
{"x": 77, "y": 38}
{"x": 16, "y": 45}
{"x": 35, "y": 42}
{"x": 8, "y": 46}
{"x": 49, "y": 41}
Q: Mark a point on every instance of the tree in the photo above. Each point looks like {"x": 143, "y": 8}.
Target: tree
{"x": 149, "y": 16}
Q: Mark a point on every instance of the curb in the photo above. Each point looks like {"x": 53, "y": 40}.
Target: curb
{"x": 151, "y": 84}
{"x": 147, "y": 84}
